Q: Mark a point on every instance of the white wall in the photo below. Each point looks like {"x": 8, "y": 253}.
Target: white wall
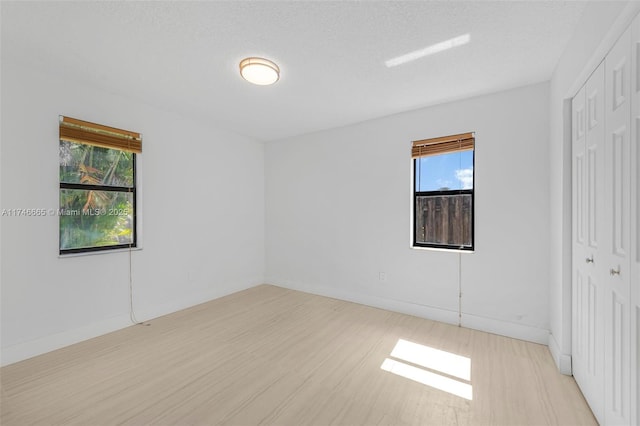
{"x": 336, "y": 216}
{"x": 338, "y": 213}
{"x": 601, "y": 24}
{"x": 202, "y": 195}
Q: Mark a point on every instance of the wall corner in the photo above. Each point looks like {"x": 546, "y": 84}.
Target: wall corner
{"x": 562, "y": 360}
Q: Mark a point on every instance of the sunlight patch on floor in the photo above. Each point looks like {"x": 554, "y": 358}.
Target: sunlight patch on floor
{"x": 432, "y": 367}
{"x": 434, "y": 359}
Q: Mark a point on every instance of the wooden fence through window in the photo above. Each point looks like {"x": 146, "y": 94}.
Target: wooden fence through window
{"x": 444, "y": 219}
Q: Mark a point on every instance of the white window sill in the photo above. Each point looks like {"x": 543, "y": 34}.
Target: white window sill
{"x": 442, "y": 249}
{"x": 100, "y": 252}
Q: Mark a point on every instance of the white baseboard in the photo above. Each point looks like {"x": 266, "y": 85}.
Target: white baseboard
{"x": 506, "y": 328}
{"x": 563, "y": 361}
{"x": 26, "y": 350}
{"x": 45, "y": 344}
{"x": 148, "y": 313}
{"x": 423, "y": 311}
{"x": 490, "y": 325}
{"x": 22, "y": 351}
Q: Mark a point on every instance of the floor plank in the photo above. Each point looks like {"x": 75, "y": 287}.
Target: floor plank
{"x": 270, "y": 355}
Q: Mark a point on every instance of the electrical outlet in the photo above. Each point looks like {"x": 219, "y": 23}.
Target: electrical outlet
{"x": 382, "y": 276}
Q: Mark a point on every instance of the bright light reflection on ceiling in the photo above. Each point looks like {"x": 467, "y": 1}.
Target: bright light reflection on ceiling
{"x": 429, "y": 50}
{"x": 434, "y": 361}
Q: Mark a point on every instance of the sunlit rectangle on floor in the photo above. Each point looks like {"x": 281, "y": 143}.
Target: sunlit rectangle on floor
{"x": 433, "y": 359}
{"x": 428, "y": 378}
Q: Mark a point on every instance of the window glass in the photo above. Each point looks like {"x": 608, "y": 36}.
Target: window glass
{"x": 444, "y": 200}
{"x": 89, "y": 164}
{"x": 445, "y": 172}
{"x": 90, "y": 218}
{"x": 97, "y": 198}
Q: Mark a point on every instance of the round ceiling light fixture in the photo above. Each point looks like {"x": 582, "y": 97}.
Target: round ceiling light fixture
{"x": 259, "y": 71}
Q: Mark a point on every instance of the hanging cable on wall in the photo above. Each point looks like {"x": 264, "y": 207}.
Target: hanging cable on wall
{"x": 132, "y": 314}
{"x": 461, "y": 225}
{"x": 447, "y": 213}
{"x": 459, "y": 289}
{"x": 122, "y": 143}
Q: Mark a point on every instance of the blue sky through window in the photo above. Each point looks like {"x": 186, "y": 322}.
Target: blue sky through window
{"x": 445, "y": 171}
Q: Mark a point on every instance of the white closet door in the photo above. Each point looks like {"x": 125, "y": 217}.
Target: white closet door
{"x": 616, "y": 253}
{"x": 588, "y": 190}
{"x": 635, "y": 222}
{"x": 578, "y": 363}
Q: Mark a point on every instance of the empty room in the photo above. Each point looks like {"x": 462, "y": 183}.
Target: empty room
{"x": 320, "y": 213}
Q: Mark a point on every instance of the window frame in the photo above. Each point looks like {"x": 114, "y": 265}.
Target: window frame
{"x": 416, "y": 194}
{"x": 106, "y": 188}
{"x": 91, "y": 134}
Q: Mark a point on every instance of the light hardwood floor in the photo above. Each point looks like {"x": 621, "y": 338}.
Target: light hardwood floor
{"x": 269, "y": 355}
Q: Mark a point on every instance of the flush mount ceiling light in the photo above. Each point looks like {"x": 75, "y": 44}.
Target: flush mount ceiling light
{"x": 259, "y": 71}
{"x": 429, "y": 50}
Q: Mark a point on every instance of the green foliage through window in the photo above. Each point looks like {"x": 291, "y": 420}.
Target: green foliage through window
{"x": 97, "y": 198}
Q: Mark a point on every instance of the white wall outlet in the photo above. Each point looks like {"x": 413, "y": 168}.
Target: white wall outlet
{"x": 382, "y": 276}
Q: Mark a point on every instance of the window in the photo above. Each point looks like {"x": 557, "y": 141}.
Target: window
{"x": 97, "y": 186}
{"x": 443, "y": 192}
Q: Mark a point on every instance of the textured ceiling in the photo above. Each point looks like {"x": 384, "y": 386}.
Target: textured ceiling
{"x": 184, "y": 56}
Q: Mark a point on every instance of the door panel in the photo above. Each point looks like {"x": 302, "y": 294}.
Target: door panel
{"x": 595, "y": 209}
{"x": 606, "y": 234}
{"x": 635, "y": 222}
{"x": 619, "y": 170}
{"x": 616, "y": 268}
{"x": 588, "y": 186}
{"x": 592, "y": 194}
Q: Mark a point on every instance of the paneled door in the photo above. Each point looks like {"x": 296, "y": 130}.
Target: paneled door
{"x": 606, "y": 234}
{"x": 617, "y": 250}
{"x": 635, "y": 222}
{"x": 588, "y": 207}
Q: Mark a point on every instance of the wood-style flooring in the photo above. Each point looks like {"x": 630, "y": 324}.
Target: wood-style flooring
{"x": 269, "y": 355}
